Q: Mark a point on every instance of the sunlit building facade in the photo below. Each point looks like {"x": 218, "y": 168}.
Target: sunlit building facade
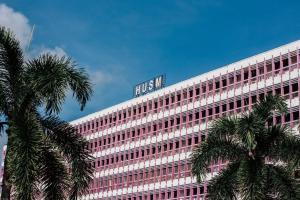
{"x": 142, "y": 146}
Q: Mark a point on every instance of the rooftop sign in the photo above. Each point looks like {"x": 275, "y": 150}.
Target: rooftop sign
{"x": 151, "y": 85}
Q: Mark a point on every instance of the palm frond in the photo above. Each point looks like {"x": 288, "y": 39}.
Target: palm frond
{"x": 51, "y": 77}
{"x": 53, "y": 173}
{"x": 11, "y": 61}
{"x": 251, "y": 179}
{"x": 224, "y": 185}
{"x": 249, "y": 130}
{"x": 211, "y": 151}
{"x": 79, "y": 84}
{"x": 3, "y": 100}
{"x": 286, "y": 149}
{"x": 270, "y": 103}
{"x": 24, "y": 88}
{"x": 223, "y": 128}
{"x": 284, "y": 186}
{"x": 73, "y": 146}
{"x": 272, "y": 137}
{"x": 25, "y": 150}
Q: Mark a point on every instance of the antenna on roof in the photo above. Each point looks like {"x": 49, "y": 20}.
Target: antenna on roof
{"x": 30, "y": 37}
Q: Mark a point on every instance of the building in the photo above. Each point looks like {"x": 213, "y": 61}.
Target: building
{"x": 142, "y": 146}
{"x": 2, "y": 166}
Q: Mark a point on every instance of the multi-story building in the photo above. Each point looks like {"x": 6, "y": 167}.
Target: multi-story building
{"x": 142, "y": 146}
{"x": 2, "y": 166}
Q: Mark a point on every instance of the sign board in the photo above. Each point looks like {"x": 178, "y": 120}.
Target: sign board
{"x": 151, "y": 85}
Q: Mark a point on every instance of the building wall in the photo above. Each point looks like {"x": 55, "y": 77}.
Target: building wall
{"x": 2, "y": 166}
{"x": 142, "y": 146}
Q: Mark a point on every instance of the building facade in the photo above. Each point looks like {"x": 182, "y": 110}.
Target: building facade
{"x": 2, "y": 166}
{"x": 142, "y": 146}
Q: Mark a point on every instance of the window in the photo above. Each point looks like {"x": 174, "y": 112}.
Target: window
{"x": 296, "y": 115}
{"x": 175, "y": 194}
{"x": 261, "y": 70}
{"x": 238, "y": 78}
{"x": 231, "y": 80}
{"x": 294, "y": 59}
{"x": 203, "y": 89}
{"x": 166, "y": 124}
{"x": 190, "y": 141}
{"x": 188, "y": 192}
{"x": 224, "y": 107}
{"x": 269, "y": 67}
{"x": 224, "y": 82}
{"x": 261, "y": 96}
{"x": 197, "y": 115}
{"x": 210, "y": 86}
{"x": 278, "y": 91}
{"x": 203, "y": 113}
{"x": 253, "y": 99}
{"x": 285, "y": 62}
{"x": 295, "y": 87}
{"x": 246, "y": 101}
{"x": 217, "y": 109}
{"x": 194, "y": 191}
{"x": 253, "y": 73}
{"x": 167, "y": 101}
{"x": 197, "y": 91}
{"x": 210, "y": 111}
{"x": 217, "y": 85}
{"x": 177, "y": 144}
{"x": 239, "y": 103}
{"x": 143, "y": 153}
{"x": 246, "y": 75}
{"x": 231, "y": 105}
{"x": 201, "y": 190}
{"x": 287, "y": 117}
{"x": 196, "y": 140}
{"x": 191, "y": 93}
{"x": 278, "y": 119}
{"x": 277, "y": 65}
{"x": 286, "y": 90}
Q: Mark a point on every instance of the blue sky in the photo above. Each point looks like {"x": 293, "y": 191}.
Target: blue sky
{"x": 121, "y": 43}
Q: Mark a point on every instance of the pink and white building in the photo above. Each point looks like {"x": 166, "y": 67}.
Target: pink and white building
{"x": 3, "y": 153}
{"x": 142, "y": 146}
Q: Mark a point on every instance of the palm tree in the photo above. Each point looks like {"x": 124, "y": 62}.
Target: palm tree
{"x": 261, "y": 157}
{"x": 45, "y": 155}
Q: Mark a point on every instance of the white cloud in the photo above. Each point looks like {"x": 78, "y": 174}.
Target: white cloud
{"x": 17, "y": 23}
{"x": 55, "y": 51}
{"x": 20, "y": 26}
{"x": 99, "y": 77}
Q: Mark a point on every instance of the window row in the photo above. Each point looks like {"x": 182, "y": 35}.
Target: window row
{"x": 187, "y": 192}
{"x": 176, "y": 145}
{"x": 196, "y": 116}
{"x": 149, "y": 151}
{"x": 143, "y": 176}
{"x": 208, "y": 86}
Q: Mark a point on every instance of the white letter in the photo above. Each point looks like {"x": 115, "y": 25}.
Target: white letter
{"x": 144, "y": 88}
{"x": 158, "y": 82}
{"x": 150, "y": 85}
{"x": 137, "y": 90}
